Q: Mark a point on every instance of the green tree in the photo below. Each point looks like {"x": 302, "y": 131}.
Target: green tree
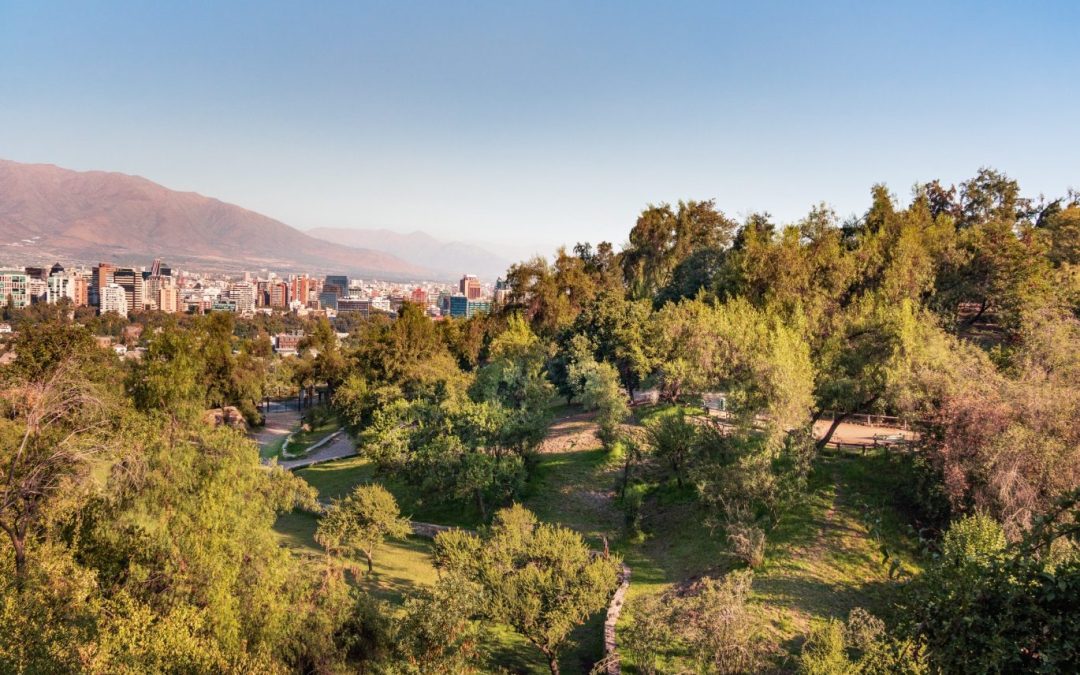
{"x": 672, "y": 438}
{"x": 539, "y": 579}
{"x": 168, "y": 377}
{"x": 617, "y": 330}
{"x": 361, "y": 522}
{"x": 598, "y": 388}
{"x": 664, "y": 237}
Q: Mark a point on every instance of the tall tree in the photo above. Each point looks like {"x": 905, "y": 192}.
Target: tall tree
{"x": 539, "y": 579}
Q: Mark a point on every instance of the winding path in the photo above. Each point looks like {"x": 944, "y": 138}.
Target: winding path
{"x": 337, "y": 445}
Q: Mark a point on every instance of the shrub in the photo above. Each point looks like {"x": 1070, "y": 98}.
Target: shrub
{"x": 747, "y": 542}
{"x": 862, "y": 645}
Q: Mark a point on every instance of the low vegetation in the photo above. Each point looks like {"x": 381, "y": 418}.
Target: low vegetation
{"x": 138, "y": 537}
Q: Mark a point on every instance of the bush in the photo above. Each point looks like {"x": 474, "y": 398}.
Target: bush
{"x": 862, "y": 645}
{"x": 984, "y": 606}
{"x": 747, "y": 542}
{"x": 707, "y": 628}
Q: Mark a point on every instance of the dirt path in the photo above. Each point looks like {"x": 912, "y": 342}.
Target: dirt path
{"x": 573, "y": 432}
{"x": 848, "y": 432}
{"x": 279, "y": 422}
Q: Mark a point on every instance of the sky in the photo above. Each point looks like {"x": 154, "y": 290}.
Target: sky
{"x": 536, "y": 124}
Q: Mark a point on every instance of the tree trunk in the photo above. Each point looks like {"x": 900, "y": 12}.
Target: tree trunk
{"x": 19, "y": 545}
{"x": 978, "y": 315}
{"x": 370, "y": 564}
{"x": 553, "y": 663}
{"x": 832, "y": 429}
{"x": 480, "y": 504}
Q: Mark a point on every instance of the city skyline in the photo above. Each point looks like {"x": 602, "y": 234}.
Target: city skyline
{"x": 490, "y": 123}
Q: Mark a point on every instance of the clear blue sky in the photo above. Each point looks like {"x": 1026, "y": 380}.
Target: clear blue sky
{"x": 547, "y": 122}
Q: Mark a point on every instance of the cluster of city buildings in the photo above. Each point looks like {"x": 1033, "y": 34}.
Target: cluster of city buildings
{"x": 128, "y": 290}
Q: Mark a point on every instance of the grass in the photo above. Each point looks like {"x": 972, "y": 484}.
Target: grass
{"x": 300, "y": 441}
{"x": 272, "y": 449}
{"x": 337, "y": 478}
{"x": 822, "y": 558}
{"x": 399, "y": 565}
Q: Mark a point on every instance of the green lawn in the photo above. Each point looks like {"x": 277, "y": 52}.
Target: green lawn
{"x": 399, "y": 565}
{"x": 271, "y": 450}
{"x": 821, "y": 561}
{"x": 300, "y": 441}
{"x": 338, "y": 478}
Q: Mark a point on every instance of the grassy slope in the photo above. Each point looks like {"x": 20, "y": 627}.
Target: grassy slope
{"x": 821, "y": 560}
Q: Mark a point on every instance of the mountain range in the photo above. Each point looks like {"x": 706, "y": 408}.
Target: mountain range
{"x": 49, "y": 213}
{"x": 447, "y": 259}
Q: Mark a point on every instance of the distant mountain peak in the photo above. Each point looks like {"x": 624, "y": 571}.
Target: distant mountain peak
{"x": 449, "y": 259}
{"x": 97, "y": 215}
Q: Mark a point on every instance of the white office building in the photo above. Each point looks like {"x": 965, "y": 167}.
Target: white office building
{"x": 114, "y": 299}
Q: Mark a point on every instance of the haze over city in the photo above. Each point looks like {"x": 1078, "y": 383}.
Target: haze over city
{"x": 526, "y": 126}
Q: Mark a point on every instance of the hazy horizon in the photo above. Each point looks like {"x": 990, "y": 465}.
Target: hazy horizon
{"x": 543, "y": 125}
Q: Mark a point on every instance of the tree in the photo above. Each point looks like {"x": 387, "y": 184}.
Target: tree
{"x": 759, "y": 362}
{"x": 984, "y": 606}
{"x": 539, "y": 579}
{"x": 861, "y": 645}
{"x": 217, "y": 352}
{"x": 435, "y": 633}
{"x": 168, "y": 377}
{"x": 617, "y": 330}
{"x": 664, "y": 237}
{"x": 599, "y": 389}
{"x": 410, "y": 354}
{"x": 361, "y": 522}
{"x": 672, "y": 438}
{"x": 55, "y": 431}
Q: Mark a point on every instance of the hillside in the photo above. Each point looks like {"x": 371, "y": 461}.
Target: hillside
{"x": 448, "y": 259}
{"x": 47, "y": 213}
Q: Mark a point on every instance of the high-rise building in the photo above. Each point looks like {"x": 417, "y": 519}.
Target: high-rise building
{"x": 262, "y": 292}
{"x": 337, "y": 282}
{"x": 154, "y": 282}
{"x": 360, "y": 305}
{"x": 469, "y": 286}
{"x": 101, "y": 277}
{"x": 131, "y": 280}
{"x": 37, "y": 289}
{"x": 477, "y": 307}
{"x": 458, "y": 306}
{"x": 418, "y": 296}
{"x": 279, "y": 294}
{"x": 168, "y": 299}
{"x": 502, "y": 290}
{"x": 243, "y": 294}
{"x": 14, "y": 285}
{"x": 113, "y": 298}
{"x": 62, "y": 285}
{"x": 82, "y": 290}
{"x": 328, "y": 299}
{"x": 300, "y": 288}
